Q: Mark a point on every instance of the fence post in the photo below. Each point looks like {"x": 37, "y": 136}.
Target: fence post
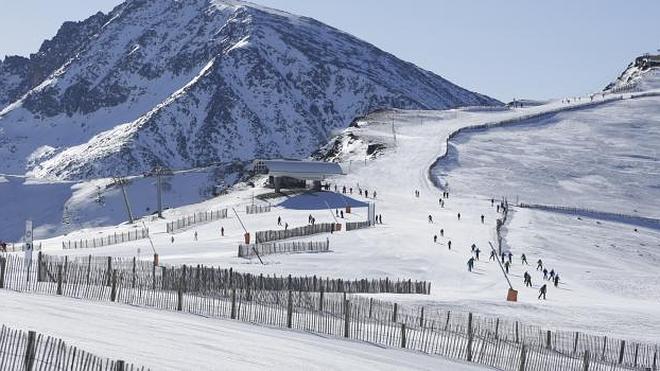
{"x": 585, "y": 361}
{"x": 133, "y": 285}
{"x": 548, "y": 337}
{"x": 347, "y": 317}
{"x": 523, "y": 358}
{"x": 517, "y": 332}
{"x": 289, "y": 309}
{"x": 30, "y": 351}
{"x": 179, "y": 301}
{"x": 109, "y": 270}
{"x": 120, "y": 365}
{"x": 321, "y": 299}
{"x": 469, "y": 339}
{"x": 655, "y": 360}
{"x": 39, "y": 257}
{"x": 421, "y": 318}
{"x": 621, "y": 351}
{"x": 371, "y": 304}
{"x": 2, "y": 272}
{"x": 59, "y": 279}
{"x": 113, "y": 290}
{"x": 575, "y": 343}
{"x": 233, "y": 303}
{"x": 395, "y": 312}
{"x": 636, "y": 352}
{"x": 497, "y": 327}
{"x": 403, "y": 335}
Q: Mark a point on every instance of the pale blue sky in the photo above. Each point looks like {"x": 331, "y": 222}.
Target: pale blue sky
{"x": 506, "y": 49}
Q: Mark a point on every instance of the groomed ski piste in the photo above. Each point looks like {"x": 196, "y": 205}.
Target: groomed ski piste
{"x": 607, "y": 286}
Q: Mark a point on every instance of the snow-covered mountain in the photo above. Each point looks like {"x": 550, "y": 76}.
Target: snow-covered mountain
{"x": 187, "y": 83}
{"x": 642, "y": 74}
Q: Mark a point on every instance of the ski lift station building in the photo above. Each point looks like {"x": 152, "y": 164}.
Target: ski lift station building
{"x": 296, "y": 173}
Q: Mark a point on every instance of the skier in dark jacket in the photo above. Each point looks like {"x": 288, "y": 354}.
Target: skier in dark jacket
{"x": 539, "y": 265}
{"x": 506, "y": 267}
{"x": 459, "y": 216}
{"x": 435, "y": 238}
{"x": 510, "y": 257}
{"x": 473, "y": 247}
{"x": 523, "y": 258}
{"x": 442, "y": 232}
{"x": 545, "y": 273}
{"x": 543, "y": 290}
{"x": 477, "y": 252}
{"x": 492, "y": 255}
{"x": 482, "y": 219}
{"x": 449, "y": 244}
{"x": 556, "y": 280}
{"x": 528, "y": 279}
{"x": 470, "y": 264}
{"x": 430, "y": 219}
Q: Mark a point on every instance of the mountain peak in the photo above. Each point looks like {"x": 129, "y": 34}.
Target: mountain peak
{"x": 187, "y": 83}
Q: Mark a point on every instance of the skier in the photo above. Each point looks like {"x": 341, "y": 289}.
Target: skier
{"x": 442, "y": 232}
{"x": 539, "y": 265}
{"x": 279, "y": 220}
{"x": 545, "y": 273}
{"x": 449, "y": 244}
{"x": 492, "y": 202}
{"x": 430, "y": 219}
{"x": 556, "y": 280}
{"x": 482, "y": 219}
{"x": 503, "y": 258}
{"x": 341, "y": 213}
{"x": 366, "y": 193}
{"x": 473, "y": 247}
{"x": 506, "y": 267}
{"x": 172, "y": 239}
{"x": 435, "y": 238}
{"x": 459, "y": 216}
{"x": 375, "y": 195}
{"x": 498, "y": 208}
{"x": 524, "y": 259}
{"x": 337, "y": 213}
{"x": 542, "y": 291}
{"x": 286, "y": 226}
{"x": 552, "y": 274}
{"x": 477, "y": 252}
{"x": 470, "y": 264}
{"x": 492, "y": 255}
{"x": 222, "y": 231}
{"x": 442, "y": 204}
{"x": 343, "y": 189}
{"x": 335, "y": 188}
{"x": 351, "y": 190}
{"x": 510, "y": 257}
{"x": 528, "y": 280}
{"x": 195, "y": 235}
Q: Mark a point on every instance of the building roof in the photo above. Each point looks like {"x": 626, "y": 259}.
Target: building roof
{"x": 309, "y": 170}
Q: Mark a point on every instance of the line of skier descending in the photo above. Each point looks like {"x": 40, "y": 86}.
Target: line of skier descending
{"x": 506, "y": 257}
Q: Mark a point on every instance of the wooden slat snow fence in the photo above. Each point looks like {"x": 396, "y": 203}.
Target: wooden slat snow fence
{"x": 197, "y": 218}
{"x": 211, "y": 279}
{"x": 267, "y": 236}
{"x": 506, "y": 345}
{"x": 256, "y": 209}
{"x": 111, "y": 239}
{"x": 27, "y": 351}
{"x": 251, "y": 251}
{"x": 351, "y": 226}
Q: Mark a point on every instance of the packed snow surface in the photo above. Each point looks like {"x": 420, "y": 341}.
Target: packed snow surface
{"x": 604, "y": 158}
{"x": 162, "y": 340}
